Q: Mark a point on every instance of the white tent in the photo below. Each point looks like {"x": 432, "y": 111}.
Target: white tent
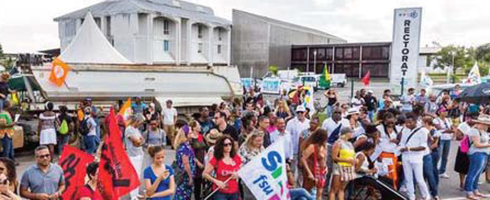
{"x": 90, "y": 46}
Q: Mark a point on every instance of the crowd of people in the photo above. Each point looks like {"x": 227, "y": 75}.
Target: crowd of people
{"x": 403, "y": 144}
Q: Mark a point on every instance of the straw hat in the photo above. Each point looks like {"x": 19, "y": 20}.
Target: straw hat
{"x": 483, "y": 119}
{"x": 352, "y": 111}
{"x": 212, "y": 136}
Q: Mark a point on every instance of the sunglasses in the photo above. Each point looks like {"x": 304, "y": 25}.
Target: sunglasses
{"x": 227, "y": 144}
{"x": 44, "y": 156}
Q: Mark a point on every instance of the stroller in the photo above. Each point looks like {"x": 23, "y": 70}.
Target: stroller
{"x": 369, "y": 188}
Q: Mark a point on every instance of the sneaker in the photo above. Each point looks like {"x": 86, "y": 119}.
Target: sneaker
{"x": 444, "y": 176}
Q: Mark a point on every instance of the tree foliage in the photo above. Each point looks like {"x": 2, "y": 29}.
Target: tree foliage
{"x": 463, "y": 57}
{"x": 273, "y": 69}
{"x": 1, "y": 51}
{"x": 482, "y": 53}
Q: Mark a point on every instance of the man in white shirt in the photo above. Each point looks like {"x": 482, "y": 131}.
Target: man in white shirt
{"x": 413, "y": 145}
{"x": 281, "y": 132}
{"x": 295, "y": 127}
{"x": 333, "y": 125}
{"x": 445, "y": 127}
{"x": 169, "y": 118}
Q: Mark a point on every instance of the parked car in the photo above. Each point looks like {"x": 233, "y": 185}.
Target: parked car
{"x": 309, "y": 80}
{"x": 338, "y": 80}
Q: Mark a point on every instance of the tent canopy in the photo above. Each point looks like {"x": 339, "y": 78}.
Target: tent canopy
{"x": 91, "y": 46}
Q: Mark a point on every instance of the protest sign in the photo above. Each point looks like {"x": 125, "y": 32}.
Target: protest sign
{"x": 265, "y": 175}
{"x": 74, "y": 162}
{"x": 117, "y": 176}
{"x": 271, "y": 85}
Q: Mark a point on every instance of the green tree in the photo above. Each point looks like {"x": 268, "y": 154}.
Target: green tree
{"x": 1, "y": 52}
{"x": 273, "y": 69}
{"x": 463, "y": 57}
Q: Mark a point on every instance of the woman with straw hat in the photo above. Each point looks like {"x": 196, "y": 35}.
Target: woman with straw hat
{"x": 478, "y": 153}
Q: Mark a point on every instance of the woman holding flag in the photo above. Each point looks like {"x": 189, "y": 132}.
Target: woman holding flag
{"x": 226, "y": 163}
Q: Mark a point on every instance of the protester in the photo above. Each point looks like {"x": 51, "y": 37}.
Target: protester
{"x": 196, "y": 140}
{"x": 7, "y": 131}
{"x": 431, "y": 106}
{"x": 138, "y": 106}
{"x": 478, "y": 154}
{"x": 89, "y": 131}
{"x": 462, "y": 162}
{"x": 47, "y": 128}
{"x": 263, "y": 125}
{"x": 344, "y": 158}
{"x": 295, "y": 127}
{"x": 446, "y": 130}
{"x": 43, "y": 173}
{"x": 422, "y": 97}
{"x": 204, "y": 120}
{"x": 354, "y": 123}
{"x": 223, "y": 127}
{"x": 363, "y": 162}
{"x": 250, "y": 149}
{"x": 388, "y": 143}
{"x": 247, "y": 129}
{"x": 8, "y": 180}
{"x": 357, "y": 102}
{"x": 281, "y": 132}
{"x": 225, "y": 163}
{"x": 332, "y": 101}
{"x": 431, "y": 157}
{"x": 272, "y": 123}
{"x": 305, "y": 134}
{"x": 169, "y": 118}
{"x": 282, "y": 110}
{"x": 159, "y": 178}
{"x": 313, "y": 159}
{"x": 408, "y": 100}
{"x": 66, "y": 127}
{"x": 89, "y": 191}
{"x": 134, "y": 142}
{"x": 413, "y": 145}
{"x": 211, "y": 139}
{"x": 371, "y": 104}
{"x": 186, "y": 163}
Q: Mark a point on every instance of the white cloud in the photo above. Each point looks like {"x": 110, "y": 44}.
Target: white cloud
{"x": 27, "y": 25}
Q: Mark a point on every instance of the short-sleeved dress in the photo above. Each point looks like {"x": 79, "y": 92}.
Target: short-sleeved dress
{"x": 164, "y": 184}
{"x": 184, "y": 191}
{"x": 48, "y": 131}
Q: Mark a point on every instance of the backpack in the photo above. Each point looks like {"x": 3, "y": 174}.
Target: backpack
{"x": 84, "y": 127}
{"x": 63, "y": 129}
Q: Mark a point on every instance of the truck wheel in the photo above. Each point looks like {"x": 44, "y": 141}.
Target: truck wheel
{"x": 340, "y": 85}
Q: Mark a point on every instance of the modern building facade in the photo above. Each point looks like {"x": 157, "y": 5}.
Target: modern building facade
{"x": 168, "y": 32}
{"x": 353, "y": 59}
{"x": 259, "y": 42}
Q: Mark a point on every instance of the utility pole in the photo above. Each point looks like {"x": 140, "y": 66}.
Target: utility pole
{"x": 314, "y": 62}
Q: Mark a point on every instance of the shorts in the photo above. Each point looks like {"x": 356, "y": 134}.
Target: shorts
{"x": 336, "y": 169}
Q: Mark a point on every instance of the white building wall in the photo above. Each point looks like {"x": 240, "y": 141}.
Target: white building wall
{"x": 199, "y": 55}
{"x": 159, "y": 53}
{"x": 222, "y": 57}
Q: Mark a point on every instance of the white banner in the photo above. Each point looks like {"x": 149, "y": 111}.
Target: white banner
{"x": 271, "y": 85}
{"x": 265, "y": 175}
{"x": 405, "y": 47}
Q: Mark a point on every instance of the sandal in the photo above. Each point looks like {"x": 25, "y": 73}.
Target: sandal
{"x": 481, "y": 195}
{"x": 472, "y": 197}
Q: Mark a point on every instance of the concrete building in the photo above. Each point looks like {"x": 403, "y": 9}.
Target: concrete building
{"x": 259, "y": 42}
{"x": 169, "y": 32}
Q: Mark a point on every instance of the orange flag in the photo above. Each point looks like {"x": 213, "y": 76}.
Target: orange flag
{"x": 58, "y": 72}
{"x": 124, "y": 110}
{"x": 366, "y": 78}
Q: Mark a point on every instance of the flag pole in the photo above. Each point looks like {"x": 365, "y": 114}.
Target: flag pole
{"x": 217, "y": 188}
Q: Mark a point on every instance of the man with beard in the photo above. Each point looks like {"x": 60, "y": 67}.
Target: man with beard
{"x": 388, "y": 143}
{"x": 43, "y": 180}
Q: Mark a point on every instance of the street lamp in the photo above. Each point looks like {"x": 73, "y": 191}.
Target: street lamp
{"x": 453, "y": 54}
{"x": 314, "y": 62}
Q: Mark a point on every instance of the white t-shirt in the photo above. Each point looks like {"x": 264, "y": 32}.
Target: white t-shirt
{"x": 288, "y": 144}
{"x": 168, "y": 115}
{"x": 483, "y": 140}
{"x": 385, "y": 139}
{"x": 445, "y": 125}
{"x": 419, "y": 139}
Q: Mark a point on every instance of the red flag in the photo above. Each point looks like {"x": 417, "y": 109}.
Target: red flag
{"x": 74, "y": 163}
{"x": 117, "y": 176}
{"x": 366, "y": 78}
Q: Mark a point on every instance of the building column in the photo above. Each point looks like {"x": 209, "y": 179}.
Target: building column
{"x": 178, "y": 34}
{"x": 189, "y": 42}
{"x": 228, "y": 47}
{"x": 210, "y": 45}
{"x": 149, "y": 39}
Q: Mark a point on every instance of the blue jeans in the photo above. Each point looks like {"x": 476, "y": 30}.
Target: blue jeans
{"x": 371, "y": 115}
{"x": 63, "y": 140}
{"x": 478, "y": 161}
{"x": 8, "y": 147}
{"x": 90, "y": 143}
{"x": 430, "y": 174}
{"x": 444, "y": 146}
{"x": 300, "y": 194}
{"x": 223, "y": 196}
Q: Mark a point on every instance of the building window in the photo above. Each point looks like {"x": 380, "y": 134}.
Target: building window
{"x": 199, "y": 31}
{"x": 199, "y": 48}
{"x": 166, "y": 45}
{"x": 219, "y": 35}
{"x": 219, "y": 49}
{"x": 108, "y": 25}
{"x": 166, "y": 27}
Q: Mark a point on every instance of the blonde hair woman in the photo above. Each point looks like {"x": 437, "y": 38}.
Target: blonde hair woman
{"x": 282, "y": 110}
{"x": 252, "y": 147}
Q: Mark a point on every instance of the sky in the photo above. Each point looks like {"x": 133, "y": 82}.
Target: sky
{"x": 28, "y": 26}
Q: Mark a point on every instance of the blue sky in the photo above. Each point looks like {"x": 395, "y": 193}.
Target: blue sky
{"x": 27, "y": 25}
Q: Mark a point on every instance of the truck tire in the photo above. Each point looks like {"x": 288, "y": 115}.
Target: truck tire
{"x": 340, "y": 84}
